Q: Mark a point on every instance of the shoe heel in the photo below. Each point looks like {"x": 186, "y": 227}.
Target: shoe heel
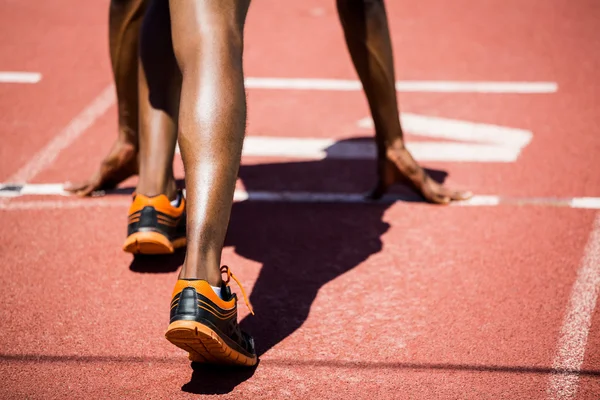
{"x": 142, "y": 237}
{"x": 148, "y": 243}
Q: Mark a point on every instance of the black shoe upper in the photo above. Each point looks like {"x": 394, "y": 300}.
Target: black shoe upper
{"x": 150, "y": 219}
{"x": 190, "y": 305}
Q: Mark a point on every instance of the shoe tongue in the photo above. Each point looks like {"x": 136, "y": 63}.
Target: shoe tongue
{"x": 225, "y": 292}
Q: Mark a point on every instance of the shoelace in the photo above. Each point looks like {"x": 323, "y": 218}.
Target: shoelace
{"x": 225, "y": 270}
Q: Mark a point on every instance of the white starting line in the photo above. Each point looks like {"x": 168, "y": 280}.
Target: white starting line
{"x": 462, "y": 141}
{"x": 347, "y": 85}
{"x": 19, "y": 77}
{"x": 66, "y": 200}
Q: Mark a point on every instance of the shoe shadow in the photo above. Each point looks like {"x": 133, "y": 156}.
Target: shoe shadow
{"x": 157, "y": 263}
{"x": 211, "y": 379}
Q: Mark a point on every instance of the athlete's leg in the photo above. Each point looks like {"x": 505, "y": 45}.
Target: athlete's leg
{"x": 159, "y": 103}
{"x": 125, "y": 19}
{"x": 368, "y": 39}
{"x": 156, "y": 225}
{"x": 208, "y": 43}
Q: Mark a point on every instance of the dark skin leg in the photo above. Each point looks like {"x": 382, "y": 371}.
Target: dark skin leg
{"x": 368, "y": 39}
{"x": 208, "y": 44}
{"x": 159, "y": 103}
{"x": 125, "y": 20}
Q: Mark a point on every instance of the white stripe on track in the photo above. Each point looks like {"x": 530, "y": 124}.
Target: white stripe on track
{"x": 578, "y": 319}
{"x": 19, "y": 77}
{"x": 404, "y": 86}
{"x": 48, "y": 189}
{"x": 319, "y": 149}
{"x": 586, "y": 202}
{"x": 354, "y": 85}
{"x": 68, "y": 135}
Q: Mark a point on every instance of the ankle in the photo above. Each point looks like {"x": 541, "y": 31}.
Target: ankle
{"x": 170, "y": 189}
{"x": 128, "y": 137}
{"x": 395, "y": 146}
{"x": 208, "y": 271}
{"x": 156, "y": 188}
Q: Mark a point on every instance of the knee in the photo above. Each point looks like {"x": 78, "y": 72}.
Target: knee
{"x": 219, "y": 40}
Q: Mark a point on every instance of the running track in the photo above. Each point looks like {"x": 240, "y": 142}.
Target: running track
{"x": 495, "y": 300}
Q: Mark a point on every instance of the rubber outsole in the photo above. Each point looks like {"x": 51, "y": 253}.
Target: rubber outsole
{"x": 205, "y": 345}
{"x": 151, "y": 243}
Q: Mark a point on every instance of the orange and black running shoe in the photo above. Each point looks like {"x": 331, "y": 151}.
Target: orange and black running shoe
{"x": 155, "y": 225}
{"x": 205, "y": 325}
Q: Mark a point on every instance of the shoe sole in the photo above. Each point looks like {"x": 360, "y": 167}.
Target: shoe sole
{"x": 205, "y": 345}
{"x": 151, "y": 243}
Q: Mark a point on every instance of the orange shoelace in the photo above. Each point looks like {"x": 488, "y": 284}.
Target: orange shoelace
{"x": 225, "y": 270}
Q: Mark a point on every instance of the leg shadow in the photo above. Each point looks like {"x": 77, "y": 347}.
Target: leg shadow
{"x": 303, "y": 246}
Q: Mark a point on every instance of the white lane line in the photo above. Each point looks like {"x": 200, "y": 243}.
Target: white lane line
{"x": 459, "y": 130}
{"x": 19, "y": 77}
{"x": 576, "y": 325}
{"x": 585, "y": 202}
{"x": 66, "y": 204}
{"x": 68, "y": 135}
{"x": 476, "y": 87}
{"x": 13, "y": 190}
{"x": 462, "y": 141}
{"x": 355, "y": 85}
{"x": 404, "y": 86}
{"x": 319, "y": 149}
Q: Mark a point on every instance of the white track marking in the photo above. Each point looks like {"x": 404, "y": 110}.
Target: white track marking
{"x": 500, "y": 143}
{"x": 66, "y": 204}
{"x": 466, "y": 142}
{"x": 403, "y": 86}
{"x": 20, "y": 77}
{"x": 576, "y": 325}
{"x": 586, "y": 202}
{"x": 354, "y": 85}
{"x": 68, "y": 135}
{"x": 466, "y": 131}
{"x": 44, "y": 189}
{"x": 13, "y": 191}
{"x": 485, "y": 200}
{"x": 319, "y": 149}
{"x": 37, "y": 189}
{"x": 476, "y": 87}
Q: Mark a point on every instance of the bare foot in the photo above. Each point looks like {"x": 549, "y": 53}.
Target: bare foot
{"x": 399, "y": 166}
{"x": 120, "y": 164}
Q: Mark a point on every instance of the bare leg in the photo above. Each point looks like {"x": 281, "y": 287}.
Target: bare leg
{"x": 208, "y": 43}
{"x": 368, "y": 39}
{"x": 159, "y": 103}
{"x": 125, "y": 20}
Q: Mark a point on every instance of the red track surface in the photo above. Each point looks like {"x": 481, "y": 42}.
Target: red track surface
{"x": 353, "y": 301}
